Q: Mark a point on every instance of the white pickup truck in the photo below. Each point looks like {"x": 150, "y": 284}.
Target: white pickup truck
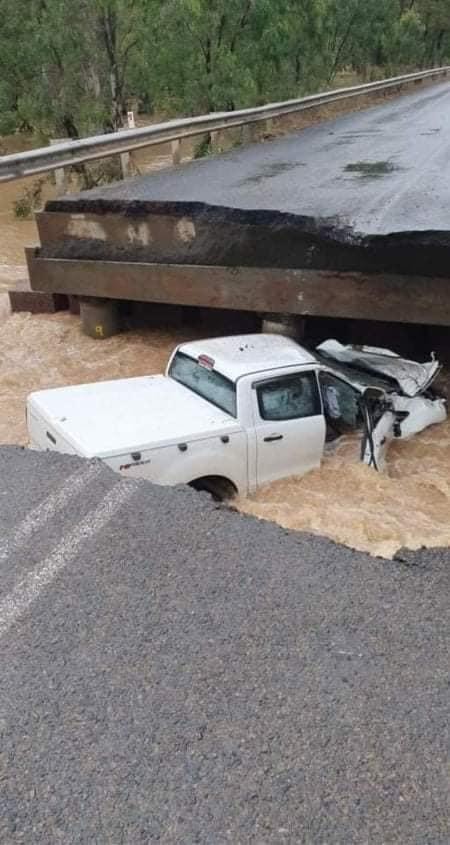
{"x": 233, "y": 413}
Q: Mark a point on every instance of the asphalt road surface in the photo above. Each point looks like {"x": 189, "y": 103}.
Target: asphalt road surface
{"x": 379, "y": 171}
{"x": 175, "y": 672}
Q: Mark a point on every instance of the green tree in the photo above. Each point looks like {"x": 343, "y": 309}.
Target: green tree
{"x": 68, "y": 68}
{"x": 435, "y": 15}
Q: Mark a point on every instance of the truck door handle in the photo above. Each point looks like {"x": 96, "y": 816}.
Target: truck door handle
{"x": 272, "y": 438}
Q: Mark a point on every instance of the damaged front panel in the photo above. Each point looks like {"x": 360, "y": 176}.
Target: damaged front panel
{"x": 411, "y": 377}
{"x": 394, "y": 396}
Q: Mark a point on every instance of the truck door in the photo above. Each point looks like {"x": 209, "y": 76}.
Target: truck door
{"x": 289, "y": 426}
{"x": 341, "y": 402}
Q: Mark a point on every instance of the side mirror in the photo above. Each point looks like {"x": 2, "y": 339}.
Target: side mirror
{"x": 373, "y": 394}
{"x": 371, "y": 398}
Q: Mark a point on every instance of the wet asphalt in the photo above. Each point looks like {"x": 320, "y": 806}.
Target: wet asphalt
{"x": 379, "y": 171}
{"x": 176, "y": 672}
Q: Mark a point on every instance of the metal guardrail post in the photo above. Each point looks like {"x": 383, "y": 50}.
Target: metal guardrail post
{"x": 60, "y": 174}
{"x": 176, "y": 151}
{"x": 125, "y": 158}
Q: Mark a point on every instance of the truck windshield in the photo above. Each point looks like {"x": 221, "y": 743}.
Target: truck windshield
{"x": 209, "y": 384}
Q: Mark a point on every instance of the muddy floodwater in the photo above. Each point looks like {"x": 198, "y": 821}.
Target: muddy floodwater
{"x": 14, "y": 234}
{"x": 408, "y": 506}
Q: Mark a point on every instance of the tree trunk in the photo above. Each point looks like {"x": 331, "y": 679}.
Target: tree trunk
{"x": 109, "y": 32}
{"x": 298, "y": 68}
{"x": 208, "y": 71}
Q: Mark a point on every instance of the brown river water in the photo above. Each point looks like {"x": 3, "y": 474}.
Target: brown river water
{"x": 14, "y": 234}
{"x": 407, "y": 506}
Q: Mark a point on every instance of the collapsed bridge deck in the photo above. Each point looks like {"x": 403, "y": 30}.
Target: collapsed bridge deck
{"x": 345, "y": 219}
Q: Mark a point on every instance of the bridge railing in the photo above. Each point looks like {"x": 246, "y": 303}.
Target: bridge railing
{"x": 67, "y": 153}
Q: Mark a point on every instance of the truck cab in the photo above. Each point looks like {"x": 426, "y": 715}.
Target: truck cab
{"x": 276, "y": 399}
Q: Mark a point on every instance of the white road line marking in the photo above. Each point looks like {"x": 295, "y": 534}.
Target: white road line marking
{"x": 30, "y": 588}
{"x": 49, "y": 507}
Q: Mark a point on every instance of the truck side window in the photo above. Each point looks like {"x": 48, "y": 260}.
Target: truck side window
{"x": 289, "y": 398}
{"x": 341, "y": 405}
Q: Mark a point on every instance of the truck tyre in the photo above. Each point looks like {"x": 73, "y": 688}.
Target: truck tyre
{"x": 221, "y": 489}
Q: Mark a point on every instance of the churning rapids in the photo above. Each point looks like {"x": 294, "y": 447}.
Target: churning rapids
{"x": 408, "y": 506}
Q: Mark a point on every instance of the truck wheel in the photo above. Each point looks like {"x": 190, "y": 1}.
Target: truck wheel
{"x": 221, "y": 489}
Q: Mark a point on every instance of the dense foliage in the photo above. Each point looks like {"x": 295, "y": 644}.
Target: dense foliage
{"x": 68, "y": 67}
